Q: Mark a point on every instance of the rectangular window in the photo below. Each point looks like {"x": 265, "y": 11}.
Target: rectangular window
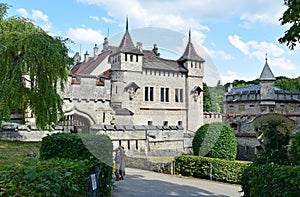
{"x": 146, "y": 93}
{"x": 178, "y": 95}
{"x": 149, "y": 93}
{"x": 164, "y": 94}
{"x": 179, "y": 123}
{"x": 167, "y": 94}
{"x": 136, "y": 144}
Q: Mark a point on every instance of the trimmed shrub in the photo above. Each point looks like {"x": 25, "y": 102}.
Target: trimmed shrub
{"x": 215, "y": 140}
{"x": 295, "y": 149}
{"x": 271, "y": 180}
{"x": 97, "y": 149}
{"x": 55, "y": 177}
{"x": 199, "y": 167}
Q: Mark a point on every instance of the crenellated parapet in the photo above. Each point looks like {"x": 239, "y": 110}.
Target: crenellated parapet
{"x": 148, "y": 139}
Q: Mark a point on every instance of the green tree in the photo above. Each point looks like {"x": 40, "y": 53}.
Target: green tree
{"x": 206, "y": 98}
{"x": 292, "y": 17}
{"x": 215, "y": 140}
{"x": 33, "y": 66}
{"x": 273, "y": 132}
{"x": 295, "y": 148}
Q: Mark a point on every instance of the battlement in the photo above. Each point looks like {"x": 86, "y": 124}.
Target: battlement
{"x": 148, "y": 139}
{"x": 254, "y": 95}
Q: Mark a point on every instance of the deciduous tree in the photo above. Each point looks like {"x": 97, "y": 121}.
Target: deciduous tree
{"x": 292, "y": 17}
{"x": 33, "y": 65}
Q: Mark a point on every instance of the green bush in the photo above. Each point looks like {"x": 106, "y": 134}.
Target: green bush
{"x": 55, "y": 177}
{"x": 97, "y": 149}
{"x": 222, "y": 170}
{"x": 295, "y": 149}
{"x": 215, "y": 140}
{"x": 271, "y": 180}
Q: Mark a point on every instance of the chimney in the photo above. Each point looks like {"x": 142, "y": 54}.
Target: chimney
{"x": 105, "y": 44}
{"x": 96, "y": 51}
{"x": 139, "y": 46}
{"x": 86, "y": 57}
{"x": 155, "y": 50}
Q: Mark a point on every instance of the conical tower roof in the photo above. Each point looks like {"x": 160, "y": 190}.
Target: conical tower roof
{"x": 126, "y": 45}
{"x": 190, "y": 52}
{"x": 266, "y": 74}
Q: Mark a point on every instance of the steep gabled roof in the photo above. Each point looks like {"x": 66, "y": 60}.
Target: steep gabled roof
{"x": 190, "y": 52}
{"x": 266, "y": 74}
{"x": 86, "y": 68}
{"x": 154, "y": 62}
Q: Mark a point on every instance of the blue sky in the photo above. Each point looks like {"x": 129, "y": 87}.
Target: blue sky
{"x": 235, "y": 35}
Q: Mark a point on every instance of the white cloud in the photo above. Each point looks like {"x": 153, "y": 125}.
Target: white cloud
{"x": 143, "y": 13}
{"x": 82, "y": 35}
{"x": 237, "y": 43}
{"x": 219, "y": 54}
{"x": 39, "y": 15}
{"x": 96, "y": 18}
{"x": 23, "y": 12}
{"x": 230, "y": 76}
{"x": 107, "y": 20}
{"x": 150, "y": 12}
{"x": 260, "y": 49}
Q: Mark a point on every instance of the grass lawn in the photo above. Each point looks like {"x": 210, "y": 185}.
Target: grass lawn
{"x": 13, "y": 152}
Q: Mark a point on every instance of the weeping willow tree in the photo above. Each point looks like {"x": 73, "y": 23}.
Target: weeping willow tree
{"x": 33, "y": 66}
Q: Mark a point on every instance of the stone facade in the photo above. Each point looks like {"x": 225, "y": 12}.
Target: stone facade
{"x": 136, "y": 97}
{"x": 242, "y": 105}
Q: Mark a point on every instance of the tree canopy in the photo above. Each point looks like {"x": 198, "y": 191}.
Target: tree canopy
{"x": 292, "y": 17}
{"x": 33, "y": 66}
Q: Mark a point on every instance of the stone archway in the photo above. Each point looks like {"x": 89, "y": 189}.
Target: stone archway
{"x": 81, "y": 124}
{"x": 76, "y": 123}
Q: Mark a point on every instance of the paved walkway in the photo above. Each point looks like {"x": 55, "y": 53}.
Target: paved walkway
{"x": 141, "y": 183}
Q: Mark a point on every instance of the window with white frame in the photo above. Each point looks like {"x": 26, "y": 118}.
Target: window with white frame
{"x": 178, "y": 95}
{"x": 164, "y": 94}
{"x": 149, "y": 93}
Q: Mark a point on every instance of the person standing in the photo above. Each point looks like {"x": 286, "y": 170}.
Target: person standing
{"x": 122, "y": 163}
{"x": 117, "y": 160}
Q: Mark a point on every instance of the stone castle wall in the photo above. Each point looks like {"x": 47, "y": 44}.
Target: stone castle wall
{"x": 148, "y": 140}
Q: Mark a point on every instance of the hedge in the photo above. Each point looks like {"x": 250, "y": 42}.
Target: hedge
{"x": 97, "y": 149}
{"x": 295, "y": 149}
{"x": 271, "y": 180}
{"x": 199, "y": 167}
{"x": 215, "y": 140}
{"x": 55, "y": 177}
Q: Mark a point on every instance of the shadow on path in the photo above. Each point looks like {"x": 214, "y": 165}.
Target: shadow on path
{"x": 148, "y": 184}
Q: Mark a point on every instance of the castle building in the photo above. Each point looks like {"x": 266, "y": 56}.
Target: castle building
{"x": 125, "y": 89}
{"x": 242, "y": 105}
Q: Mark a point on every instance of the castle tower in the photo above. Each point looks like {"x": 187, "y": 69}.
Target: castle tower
{"x": 194, "y": 85}
{"x": 267, "y": 92}
{"x": 127, "y": 59}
